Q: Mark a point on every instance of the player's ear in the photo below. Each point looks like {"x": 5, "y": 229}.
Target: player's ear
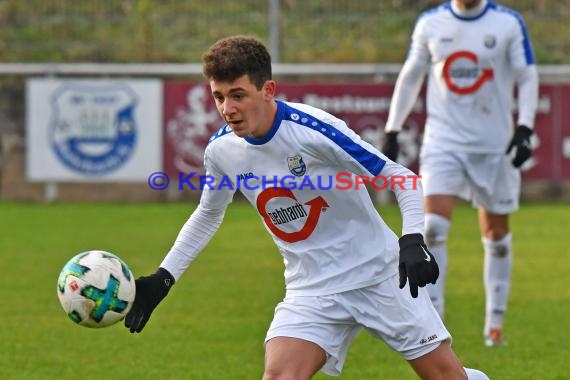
{"x": 269, "y": 89}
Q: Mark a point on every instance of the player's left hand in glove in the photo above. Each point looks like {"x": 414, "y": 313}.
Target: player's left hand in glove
{"x": 150, "y": 290}
{"x": 417, "y": 264}
{"x": 521, "y": 141}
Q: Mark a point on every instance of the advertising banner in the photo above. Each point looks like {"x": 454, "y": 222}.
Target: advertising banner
{"x": 190, "y": 118}
{"x": 93, "y": 130}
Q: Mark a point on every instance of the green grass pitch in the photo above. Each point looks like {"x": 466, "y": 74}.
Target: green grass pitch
{"x": 212, "y": 325}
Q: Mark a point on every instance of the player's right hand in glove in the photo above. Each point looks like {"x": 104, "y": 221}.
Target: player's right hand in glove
{"x": 417, "y": 264}
{"x": 390, "y": 148}
{"x": 150, "y": 290}
{"x": 521, "y": 143}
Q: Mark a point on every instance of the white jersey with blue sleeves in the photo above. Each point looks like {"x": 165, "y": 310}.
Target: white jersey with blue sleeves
{"x": 473, "y": 65}
{"x": 331, "y": 239}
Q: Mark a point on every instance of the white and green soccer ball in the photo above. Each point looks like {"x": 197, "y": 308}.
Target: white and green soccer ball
{"x": 96, "y": 289}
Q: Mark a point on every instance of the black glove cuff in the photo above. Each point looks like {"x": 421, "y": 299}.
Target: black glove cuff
{"x": 411, "y": 239}
{"x": 525, "y": 131}
{"x": 165, "y": 278}
{"x": 392, "y": 137}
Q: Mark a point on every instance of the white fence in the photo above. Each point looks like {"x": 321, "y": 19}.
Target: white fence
{"x": 377, "y": 71}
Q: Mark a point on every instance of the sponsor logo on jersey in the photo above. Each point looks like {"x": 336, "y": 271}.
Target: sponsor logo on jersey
{"x": 455, "y": 72}
{"x": 430, "y": 338}
{"x": 490, "y": 41}
{"x": 287, "y": 214}
{"x": 93, "y": 130}
{"x": 276, "y": 217}
{"x": 242, "y": 176}
{"x": 296, "y": 165}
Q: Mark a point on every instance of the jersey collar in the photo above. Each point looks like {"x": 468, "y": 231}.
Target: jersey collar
{"x": 276, "y": 123}
{"x": 470, "y": 15}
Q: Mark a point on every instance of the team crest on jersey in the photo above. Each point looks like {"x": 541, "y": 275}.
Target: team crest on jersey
{"x": 296, "y": 165}
{"x": 490, "y": 41}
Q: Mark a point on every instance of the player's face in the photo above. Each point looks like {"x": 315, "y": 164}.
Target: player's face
{"x": 467, "y": 4}
{"x": 247, "y": 110}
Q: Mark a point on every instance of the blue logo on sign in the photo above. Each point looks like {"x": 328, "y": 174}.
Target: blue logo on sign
{"x": 93, "y": 130}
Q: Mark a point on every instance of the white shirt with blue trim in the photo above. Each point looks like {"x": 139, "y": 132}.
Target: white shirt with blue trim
{"x": 329, "y": 233}
{"x": 473, "y": 60}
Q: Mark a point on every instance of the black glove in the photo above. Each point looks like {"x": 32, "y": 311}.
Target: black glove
{"x": 390, "y": 147}
{"x": 416, "y": 263}
{"x": 521, "y": 140}
{"x": 150, "y": 290}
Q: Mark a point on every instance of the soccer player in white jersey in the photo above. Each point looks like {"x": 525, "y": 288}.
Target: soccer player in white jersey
{"x": 474, "y": 52}
{"x": 344, "y": 268}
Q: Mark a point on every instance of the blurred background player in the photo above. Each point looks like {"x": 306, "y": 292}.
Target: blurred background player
{"x": 473, "y": 51}
{"x": 341, "y": 259}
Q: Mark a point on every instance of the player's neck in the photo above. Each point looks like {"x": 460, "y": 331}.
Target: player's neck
{"x": 267, "y": 123}
{"x": 468, "y": 11}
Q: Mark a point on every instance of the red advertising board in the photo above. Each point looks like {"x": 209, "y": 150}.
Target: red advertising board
{"x": 190, "y": 118}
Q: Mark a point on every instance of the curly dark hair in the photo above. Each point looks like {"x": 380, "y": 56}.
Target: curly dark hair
{"x": 232, "y": 57}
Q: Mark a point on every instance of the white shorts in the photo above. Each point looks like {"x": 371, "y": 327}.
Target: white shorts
{"x": 489, "y": 180}
{"x": 411, "y": 326}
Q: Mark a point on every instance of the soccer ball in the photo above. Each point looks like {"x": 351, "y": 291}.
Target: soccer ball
{"x": 96, "y": 289}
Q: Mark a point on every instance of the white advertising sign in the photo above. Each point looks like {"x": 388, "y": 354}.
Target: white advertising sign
{"x": 93, "y": 130}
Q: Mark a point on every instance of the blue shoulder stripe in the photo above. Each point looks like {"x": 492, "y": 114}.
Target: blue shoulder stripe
{"x": 224, "y": 130}
{"x": 368, "y": 160}
{"x": 527, "y": 45}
